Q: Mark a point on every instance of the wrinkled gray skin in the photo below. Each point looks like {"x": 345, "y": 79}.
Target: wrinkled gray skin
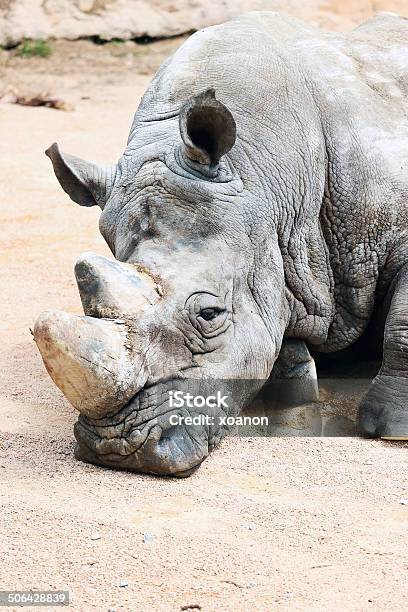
{"x": 279, "y": 212}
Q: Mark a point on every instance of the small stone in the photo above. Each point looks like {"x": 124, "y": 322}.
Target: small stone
{"x": 123, "y": 584}
{"x": 148, "y": 537}
{"x": 96, "y": 536}
{"x": 251, "y": 585}
{"x": 404, "y": 502}
{"x": 86, "y": 6}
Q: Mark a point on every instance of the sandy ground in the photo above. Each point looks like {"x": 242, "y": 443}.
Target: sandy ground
{"x": 266, "y": 523}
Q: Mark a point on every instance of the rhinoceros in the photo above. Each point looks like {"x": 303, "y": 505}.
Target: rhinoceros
{"x": 257, "y": 217}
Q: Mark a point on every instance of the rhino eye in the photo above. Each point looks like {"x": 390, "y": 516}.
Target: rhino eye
{"x": 208, "y": 314}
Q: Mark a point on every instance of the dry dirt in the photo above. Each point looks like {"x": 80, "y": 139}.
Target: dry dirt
{"x": 265, "y": 524}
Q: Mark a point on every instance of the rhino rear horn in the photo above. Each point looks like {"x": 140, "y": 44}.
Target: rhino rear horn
{"x": 86, "y": 183}
{"x": 207, "y": 128}
{"x": 111, "y": 288}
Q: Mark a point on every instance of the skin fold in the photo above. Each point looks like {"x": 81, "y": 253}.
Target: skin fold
{"x": 261, "y": 209}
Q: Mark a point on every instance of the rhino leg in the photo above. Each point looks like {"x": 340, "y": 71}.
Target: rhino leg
{"x": 384, "y": 409}
{"x": 293, "y": 380}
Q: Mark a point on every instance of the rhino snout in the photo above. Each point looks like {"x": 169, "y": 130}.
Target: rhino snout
{"x": 153, "y": 450}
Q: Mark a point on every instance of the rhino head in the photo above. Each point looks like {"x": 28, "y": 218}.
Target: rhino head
{"x": 195, "y": 295}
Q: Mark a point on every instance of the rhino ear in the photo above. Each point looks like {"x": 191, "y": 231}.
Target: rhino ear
{"x": 207, "y": 129}
{"x": 86, "y": 183}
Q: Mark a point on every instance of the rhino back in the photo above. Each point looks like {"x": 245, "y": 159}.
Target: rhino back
{"x": 360, "y": 85}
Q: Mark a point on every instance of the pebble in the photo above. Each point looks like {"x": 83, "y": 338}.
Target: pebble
{"x": 123, "y": 583}
{"x": 404, "y": 502}
{"x": 148, "y": 537}
{"x": 95, "y": 536}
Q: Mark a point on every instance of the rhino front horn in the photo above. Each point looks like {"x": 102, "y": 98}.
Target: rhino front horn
{"x": 89, "y": 360}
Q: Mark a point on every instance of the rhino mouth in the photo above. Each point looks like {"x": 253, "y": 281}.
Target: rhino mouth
{"x": 140, "y": 437}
